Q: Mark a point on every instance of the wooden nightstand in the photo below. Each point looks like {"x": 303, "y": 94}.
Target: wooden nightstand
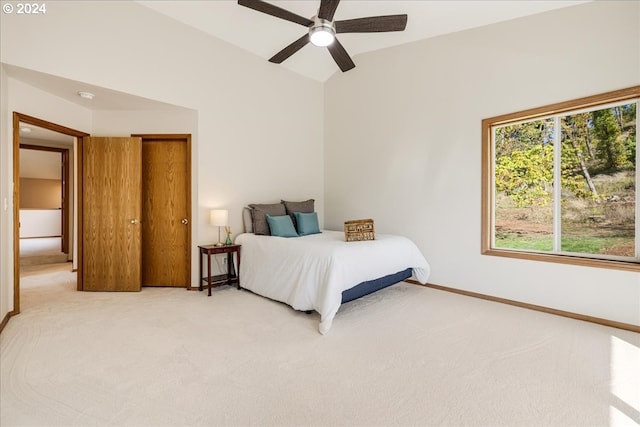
{"x": 221, "y": 279}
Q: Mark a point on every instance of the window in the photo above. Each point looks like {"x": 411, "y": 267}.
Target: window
{"x": 560, "y": 182}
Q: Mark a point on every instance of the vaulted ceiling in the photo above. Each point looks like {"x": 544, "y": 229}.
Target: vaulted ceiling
{"x": 266, "y": 35}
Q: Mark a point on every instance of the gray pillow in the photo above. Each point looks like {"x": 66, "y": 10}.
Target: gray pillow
{"x": 259, "y": 214}
{"x": 247, "y": 220}
{"x": 303, "y": 207}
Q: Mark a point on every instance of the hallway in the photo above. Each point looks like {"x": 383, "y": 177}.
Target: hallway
{"x": 37, "y": 251}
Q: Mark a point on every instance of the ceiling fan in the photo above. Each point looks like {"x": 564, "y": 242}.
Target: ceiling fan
{"x": 323, "y": 29}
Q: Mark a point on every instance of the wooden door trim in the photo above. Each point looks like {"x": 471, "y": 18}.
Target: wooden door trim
{"x": 24, "y": 118}
{"x": 187, "y": 139}
{"x": 65, "y": 188}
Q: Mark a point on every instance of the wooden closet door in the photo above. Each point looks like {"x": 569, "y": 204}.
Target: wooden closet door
{"x": 166, "y": 216}
{"x": 111, "y": 209}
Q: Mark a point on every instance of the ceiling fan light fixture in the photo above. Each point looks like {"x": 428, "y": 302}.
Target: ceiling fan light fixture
{"x": 322, "y": 33}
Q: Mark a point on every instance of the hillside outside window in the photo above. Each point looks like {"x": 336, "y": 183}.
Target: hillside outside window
{"x": 560, "y": 182}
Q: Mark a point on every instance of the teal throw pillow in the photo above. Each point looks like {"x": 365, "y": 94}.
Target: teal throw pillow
{"x": 307, "y": 223}
{"x": 281, "y": 226}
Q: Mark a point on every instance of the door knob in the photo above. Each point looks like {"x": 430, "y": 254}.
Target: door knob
{"x": 135, "y": 221}
{"x": 185, "y": 221}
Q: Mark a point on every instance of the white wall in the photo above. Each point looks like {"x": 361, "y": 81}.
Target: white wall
{"x": 403, "y": 143}
{"x": 40, "y": 164}
{"x": 34, "y": 102}
{"x": 258, "y": 138}
{"x": 40, "y": 223}
{"x": 6, "y": 198}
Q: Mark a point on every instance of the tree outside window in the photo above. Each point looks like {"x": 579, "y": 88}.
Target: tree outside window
{"x": 563, "y": 181}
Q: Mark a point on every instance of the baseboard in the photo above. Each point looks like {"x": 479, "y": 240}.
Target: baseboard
{"x": 600, "y": 321}
{"x": 6, "y": 320}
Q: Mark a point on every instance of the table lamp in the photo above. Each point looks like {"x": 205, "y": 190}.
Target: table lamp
{"x": 219, "y": 218}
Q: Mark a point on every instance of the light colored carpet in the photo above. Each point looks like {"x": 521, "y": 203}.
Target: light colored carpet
{"x": 39, "y": 251}
{"x": 407, "y": 355}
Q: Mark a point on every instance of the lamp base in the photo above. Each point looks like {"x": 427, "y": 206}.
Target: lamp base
{"x": 219, "y": 242}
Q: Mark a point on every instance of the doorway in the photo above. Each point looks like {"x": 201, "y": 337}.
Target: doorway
{"x": 37, "y": 128}
{"x": 45, "y": 197}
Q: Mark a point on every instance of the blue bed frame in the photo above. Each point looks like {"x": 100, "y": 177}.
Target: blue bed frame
{"x": 370, "y": 286}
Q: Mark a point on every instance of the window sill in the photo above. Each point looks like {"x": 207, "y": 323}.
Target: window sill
{"x": 566, "y": 259}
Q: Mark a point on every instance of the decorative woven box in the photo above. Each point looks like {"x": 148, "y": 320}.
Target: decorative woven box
{"x": 359, "y": 229}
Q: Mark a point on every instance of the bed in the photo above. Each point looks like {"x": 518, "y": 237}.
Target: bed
{"x": 321, "y": 271}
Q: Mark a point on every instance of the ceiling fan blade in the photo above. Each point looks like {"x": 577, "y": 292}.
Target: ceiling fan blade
{"x": 327, "y": 9}
{"x": 373, "y": 24}
{"x": 290, "y": 50}
{"x": 269, "y": 9}
{"x": 341, "y": 56}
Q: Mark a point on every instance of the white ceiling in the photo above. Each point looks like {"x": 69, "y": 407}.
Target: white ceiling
{"x": 245, "y": 27}
{"x": 38, "y": 134}
{"x": 265, "y": 35}
{"x": 105, "y": 99}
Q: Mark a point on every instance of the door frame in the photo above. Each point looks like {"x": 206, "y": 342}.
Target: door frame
{"x": 24, "y": 118}
{"x": 186, "y": 137}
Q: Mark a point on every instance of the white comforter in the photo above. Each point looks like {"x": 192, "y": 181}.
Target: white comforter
{"x": 310, "y": 272}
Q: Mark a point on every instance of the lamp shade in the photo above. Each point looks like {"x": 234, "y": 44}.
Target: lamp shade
{"x": 219, "y": 217}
